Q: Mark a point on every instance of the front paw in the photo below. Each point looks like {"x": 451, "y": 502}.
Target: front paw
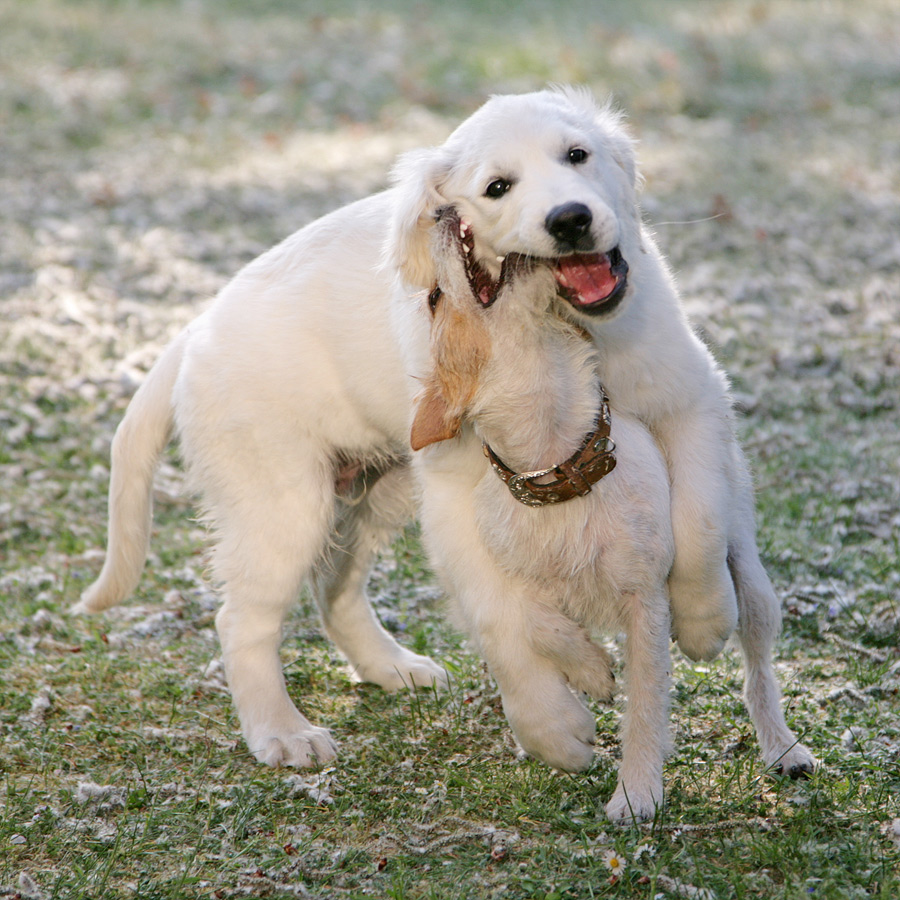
{"x": 701, "y": 624}
{"x": 635, "y": 802}
{"x": 305, "y": 747}
{"x": 703, "y": 603}
{"x": 552, "y": 724}
{"x": 797, "y": 762}
{"x": 586, "y": 665}
{"x": 402, "y": 671}
{"x": 699, "y": 640}
{"x": 593, "y": 674}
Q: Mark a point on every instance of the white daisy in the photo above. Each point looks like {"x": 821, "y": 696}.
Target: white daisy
{"x": 613, "y": 861}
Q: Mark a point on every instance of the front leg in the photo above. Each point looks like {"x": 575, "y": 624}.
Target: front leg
{"x": 537, "y": 656}
{"x": 646, "y": 738}
{"x": 698, "y": 448}
{"x": 537, "y": 675}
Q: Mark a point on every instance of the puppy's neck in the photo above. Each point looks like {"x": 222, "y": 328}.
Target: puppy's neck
{"x": 540, "y": 397}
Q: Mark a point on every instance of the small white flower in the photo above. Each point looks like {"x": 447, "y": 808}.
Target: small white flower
{"x": 613, "y": 861}
{"x": 643, "y": 849}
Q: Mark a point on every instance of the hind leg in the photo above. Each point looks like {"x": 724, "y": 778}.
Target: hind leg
{"x": 340, "y": 580}
{"x": 269, "y": 538}
{"x": 758, "y": 626}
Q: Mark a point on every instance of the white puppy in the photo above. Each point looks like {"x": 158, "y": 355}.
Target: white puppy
{"x": 292, "y": 399}
{"x": 574, "y": 529}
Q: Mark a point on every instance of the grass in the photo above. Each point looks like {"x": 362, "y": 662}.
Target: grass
{"x": 150, "y": 149}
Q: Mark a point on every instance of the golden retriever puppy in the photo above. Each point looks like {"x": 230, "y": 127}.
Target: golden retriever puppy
{"x": 563, "y": 529}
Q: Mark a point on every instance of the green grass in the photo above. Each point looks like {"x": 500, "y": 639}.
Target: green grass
{"x": 151, "y": 148}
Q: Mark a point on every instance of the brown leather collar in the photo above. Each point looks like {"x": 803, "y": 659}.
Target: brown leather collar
{"x": 572, "y": 478}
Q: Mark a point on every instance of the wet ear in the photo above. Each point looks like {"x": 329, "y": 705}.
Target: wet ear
{"x": 433, "y": 421}
{"x": 417, "y": 178}
{"x": 460, "y": 347}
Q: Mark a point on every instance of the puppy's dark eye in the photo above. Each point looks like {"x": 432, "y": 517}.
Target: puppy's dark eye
{"x": 577, "y": 155}
{"x": 497, "y": 188}
{"x": 434, "y": 298}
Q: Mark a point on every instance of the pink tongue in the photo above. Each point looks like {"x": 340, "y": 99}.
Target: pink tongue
{"x": 590, "y": 277}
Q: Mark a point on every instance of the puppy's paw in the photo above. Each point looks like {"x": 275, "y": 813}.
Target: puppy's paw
{"x": 587, "y": 666}
{"x": 593, "y": 675}
{"x": 702, "y": 630}
{"x": 88, "y": 605}
{"x": 704, "y": 612}
{"x": 306, "y": 749}
{"x": 552, "y": 725}
{"x": 635, "y": 802}
{"x": 699, "y": 641}
{"x": 796, "y": 763}
{"x": 403, "y": 670}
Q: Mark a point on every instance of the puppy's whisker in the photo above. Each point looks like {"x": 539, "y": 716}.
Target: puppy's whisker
{"x": 690, "y": 221}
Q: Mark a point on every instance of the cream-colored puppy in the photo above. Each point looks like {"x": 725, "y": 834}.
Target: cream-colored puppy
{"x": 292, "y": 401}
{"x": 534, "y": 565}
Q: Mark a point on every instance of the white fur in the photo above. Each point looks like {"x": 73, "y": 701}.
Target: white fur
{"x": 300, "y": 373}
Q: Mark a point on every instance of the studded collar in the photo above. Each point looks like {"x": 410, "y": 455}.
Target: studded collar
{"x": 572, "y": 478}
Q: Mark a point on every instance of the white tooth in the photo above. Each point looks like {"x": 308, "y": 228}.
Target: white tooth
{"x": 561, "y": 278}
{"x": 463, "y": 228}
{"x": 500, "y": 259}
{"x": 467, "y": 248}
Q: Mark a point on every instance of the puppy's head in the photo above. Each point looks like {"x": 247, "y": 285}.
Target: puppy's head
{"x": 548, "y": 175}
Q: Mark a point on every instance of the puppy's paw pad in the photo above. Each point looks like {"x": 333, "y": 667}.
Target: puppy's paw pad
{"x": 797, "y": 763}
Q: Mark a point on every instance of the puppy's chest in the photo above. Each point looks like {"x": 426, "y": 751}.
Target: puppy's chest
{"x": 565, "y": 547}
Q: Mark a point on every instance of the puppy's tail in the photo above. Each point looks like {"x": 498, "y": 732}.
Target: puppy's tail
{"x": 139, "y": 442}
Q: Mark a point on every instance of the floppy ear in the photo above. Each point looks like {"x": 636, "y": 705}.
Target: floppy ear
{"x": 460, "y": 347}
{"x": 417, "y": 178}
{"x": 433, "y": 421}
{"x": 622, "y": 145}
{"x": 611, "y": 122}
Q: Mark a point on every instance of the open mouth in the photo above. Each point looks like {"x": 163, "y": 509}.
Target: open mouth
{"x": 483, "y": 285}
{"x": 592, "y": 283}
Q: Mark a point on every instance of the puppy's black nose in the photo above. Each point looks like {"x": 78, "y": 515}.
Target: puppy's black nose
{"x": 570, "y": 225}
